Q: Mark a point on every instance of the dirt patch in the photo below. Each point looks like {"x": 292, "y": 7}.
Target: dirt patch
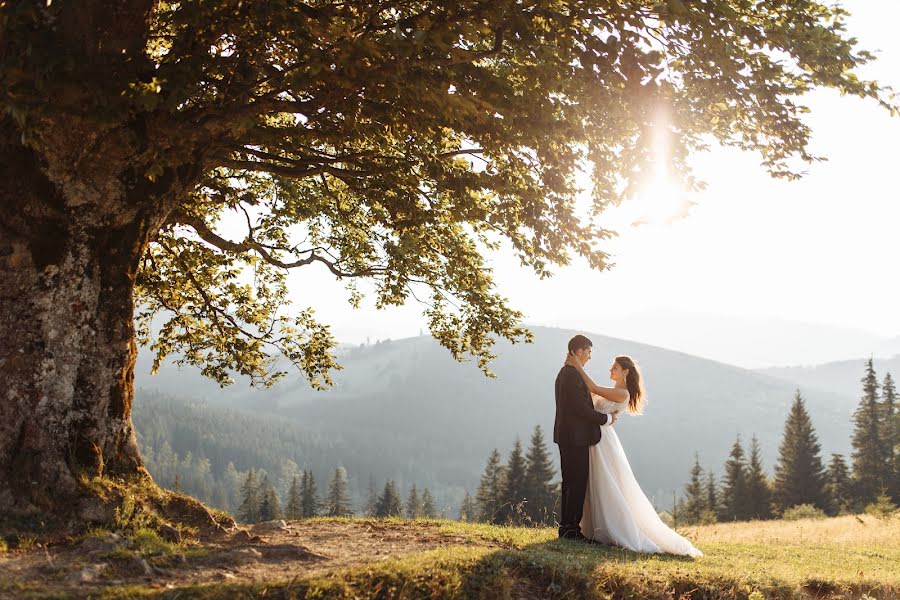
{"x": 300, "y": 549}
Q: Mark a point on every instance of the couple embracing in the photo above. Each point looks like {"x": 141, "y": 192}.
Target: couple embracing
{"x": 601, "y": 500}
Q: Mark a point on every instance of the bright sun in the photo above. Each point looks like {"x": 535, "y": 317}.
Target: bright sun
{"x": 661, "y": 200}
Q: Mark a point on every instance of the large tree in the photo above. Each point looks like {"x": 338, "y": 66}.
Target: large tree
{"x": 891, "y": 436}
{"x": 799, "y": 473}
{"x": 759, "y": 491}
{"x": 541, "y": 492}
{"x": 870, "y": 459}
{"x": 694, "y": 502}
{"x": 166, "y": 163}
{"x": 734, "y": 504}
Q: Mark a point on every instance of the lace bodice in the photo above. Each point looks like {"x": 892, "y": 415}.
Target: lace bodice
{"x": 608, "y": 406}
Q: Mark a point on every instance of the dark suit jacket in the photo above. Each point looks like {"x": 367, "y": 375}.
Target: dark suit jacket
{"x": 577, "y": 423}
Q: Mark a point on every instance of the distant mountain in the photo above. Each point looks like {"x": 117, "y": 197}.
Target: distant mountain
{"x": 842, "y": 377}
{"x": 890, "y": 347}
{"x": 749, "y": 342}
{"x": 407, "y": 409}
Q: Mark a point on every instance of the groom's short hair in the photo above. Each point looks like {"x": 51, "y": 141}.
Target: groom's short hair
{"x": 579, "y": 342}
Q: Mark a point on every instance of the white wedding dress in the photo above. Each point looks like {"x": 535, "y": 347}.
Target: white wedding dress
{"x": 616, "y": 511}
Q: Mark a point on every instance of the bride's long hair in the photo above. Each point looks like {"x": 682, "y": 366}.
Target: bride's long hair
{"x": 634, "y": 385}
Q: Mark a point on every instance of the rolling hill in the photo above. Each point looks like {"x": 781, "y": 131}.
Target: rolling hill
{"x": 405, "y": 409}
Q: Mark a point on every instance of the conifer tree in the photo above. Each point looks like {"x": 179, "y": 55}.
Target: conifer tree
{"x": 733, "y": 505}
{"x": 232, "y": 482}
{"x": 694, "y": 500}
{"x": 176, "y": 486}
{"x": 413, "y": 504}
{"x": 869, "y": 457}
{"x": 759, "y": 491}
{"x": 269, "y": 506}
{"x": 248, "y": 512}
{"x": 513, "y": 490}
{"x": 539, "y": 474}
{"x": 711, "y": 512}
{"x": 490, "y": 489}
{"x": 294, "y": 508}
{"x": 429, "y": 511}
{"x": 371, "y": 498}
{"x": 338, "y": 504}
{"x": 799, "y": 474}
{"x": 309, "y": 495}
{"x": 389, "y": 503}
{"x": 891, "y": 437}
{"x": 468, "y": 510}
{"x": 838, "y": 491}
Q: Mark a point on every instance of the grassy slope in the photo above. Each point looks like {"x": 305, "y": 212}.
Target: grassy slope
{"x": 842, "y": 557}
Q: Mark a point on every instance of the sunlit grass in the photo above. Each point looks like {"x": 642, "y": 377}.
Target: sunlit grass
{"x": 846, "y": 557}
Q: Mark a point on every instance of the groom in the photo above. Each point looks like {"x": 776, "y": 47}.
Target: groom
{"x": 576, "y": 429}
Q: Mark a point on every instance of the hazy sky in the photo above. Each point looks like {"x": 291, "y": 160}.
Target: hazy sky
{"x": 821, "y": 250}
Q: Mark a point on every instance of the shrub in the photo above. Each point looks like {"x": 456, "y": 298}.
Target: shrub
{"x": 708, "y": 517}
{"x": 803, "y": 511}
{"x": 882, "y": 508}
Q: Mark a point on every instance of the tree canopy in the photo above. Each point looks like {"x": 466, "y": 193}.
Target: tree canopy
{"x": 392, "y": 143}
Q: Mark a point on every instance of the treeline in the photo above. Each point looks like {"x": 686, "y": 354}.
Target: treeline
{"x": 802, "y": 483}
{"x": 520, "y": 492}
{"x": 260, "y": 502}
{"x": 226, "y": 453}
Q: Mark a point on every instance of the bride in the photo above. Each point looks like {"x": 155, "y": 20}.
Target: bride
{"x": 616, "y": 511}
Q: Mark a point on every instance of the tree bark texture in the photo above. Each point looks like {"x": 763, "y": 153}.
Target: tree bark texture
{"x": 72, "y": 233}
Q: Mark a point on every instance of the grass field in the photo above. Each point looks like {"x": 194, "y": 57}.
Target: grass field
{"x": 845, "y": 557}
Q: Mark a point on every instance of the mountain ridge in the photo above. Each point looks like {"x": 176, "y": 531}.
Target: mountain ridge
{"x": 406, "y": 403}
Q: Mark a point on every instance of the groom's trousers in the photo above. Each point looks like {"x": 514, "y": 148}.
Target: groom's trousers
{"x": 574, "y": 463}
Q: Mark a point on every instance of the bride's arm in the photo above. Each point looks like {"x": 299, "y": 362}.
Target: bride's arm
{"x": 612, "y": 394}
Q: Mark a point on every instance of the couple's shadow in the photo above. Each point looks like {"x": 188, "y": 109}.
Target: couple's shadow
{"x": 561, "y": 568}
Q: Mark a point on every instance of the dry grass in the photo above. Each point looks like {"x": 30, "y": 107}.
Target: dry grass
{"x": 827, "y": 559}
{"x": 851, "y": 530}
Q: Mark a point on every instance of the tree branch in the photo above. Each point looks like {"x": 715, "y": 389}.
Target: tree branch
{"x": 214, "y": 239}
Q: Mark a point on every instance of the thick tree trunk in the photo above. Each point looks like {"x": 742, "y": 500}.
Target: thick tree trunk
{"x": 67, "y": 348}
{"x": 67, "y": 363}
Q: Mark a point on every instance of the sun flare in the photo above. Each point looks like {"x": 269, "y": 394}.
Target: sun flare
{"x": 661, "y": 200}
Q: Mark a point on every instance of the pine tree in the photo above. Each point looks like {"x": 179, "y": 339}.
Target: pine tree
{"x": 539, "y": 474}
{"x": 734, "y": 486}
{"x": 468, "y": 510}
{"x": 371, "y": 498}
{"x": 711, "y": 513}
{"x": 490, "y": 489}
{"x": 429, "y": 511}
{"x": 694, "y": 501}
{"x": 838, "y": 492}
{"x": 759, "y": 491}
{"x": 338, "y": 504}
{"x": 389, "y": 503}
{"x": 232, "y": 482}
{"x": 309, "y": 495}
{"x": 413, "y": 504}
{"x": 269, "y": 506}
{"x": 799, "y": 474}
{"x": 294, "y": 508}
{"x": 176, "y": 486}
{"x": 248, "y": 512}
{"x": 869, "y": 459}
{"x": 513, "y": 490}
{"x": 287, "y": 471}
{"x": 891, "y": 436}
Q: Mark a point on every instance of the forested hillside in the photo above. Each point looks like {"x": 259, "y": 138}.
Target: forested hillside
{"x": 405, "y": 410}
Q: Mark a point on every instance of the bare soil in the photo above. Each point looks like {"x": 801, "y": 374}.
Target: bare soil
{"x": 299, "y": 550}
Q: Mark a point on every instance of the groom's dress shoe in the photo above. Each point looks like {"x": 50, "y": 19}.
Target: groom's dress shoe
{"x": 576, "y": 536}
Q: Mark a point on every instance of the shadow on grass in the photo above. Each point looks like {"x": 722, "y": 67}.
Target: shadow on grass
{"x": 507, "y": 570}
